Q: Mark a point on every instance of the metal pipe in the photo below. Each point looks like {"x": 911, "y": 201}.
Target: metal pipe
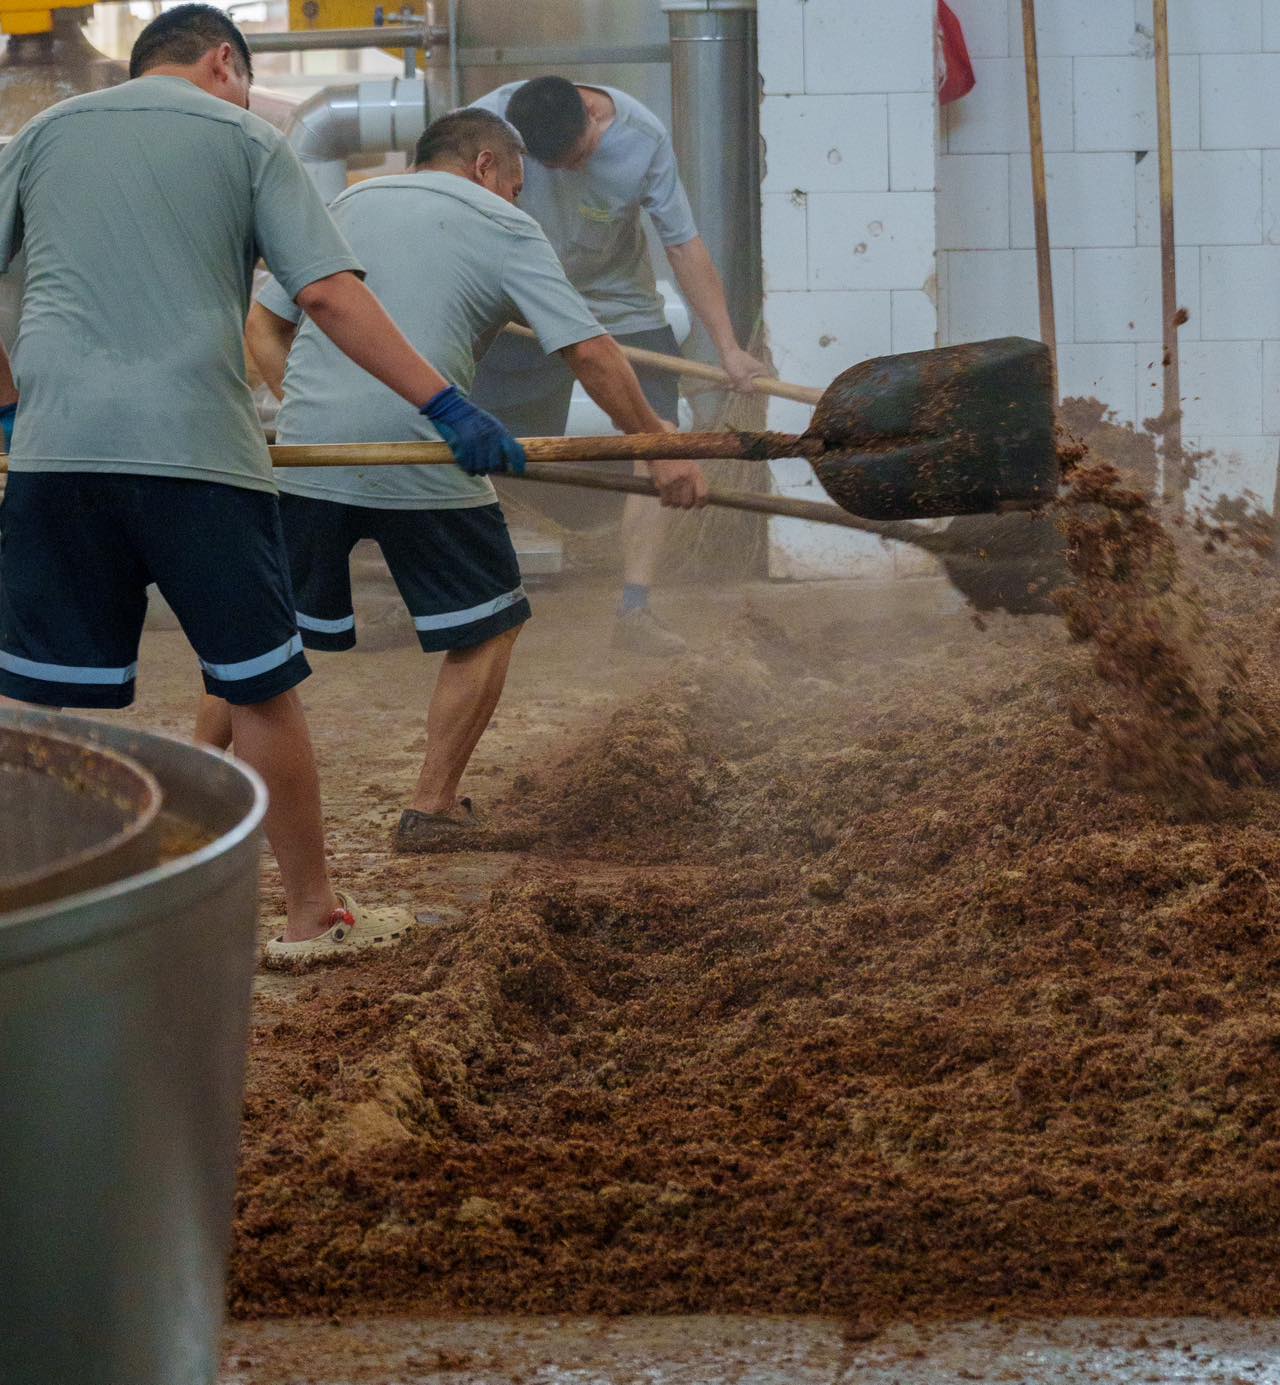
{"x": 716, "y": 130}
{"x": 564, "y": 55}
{"x": 359, "y": 118}
{"x": 326, "y": 40}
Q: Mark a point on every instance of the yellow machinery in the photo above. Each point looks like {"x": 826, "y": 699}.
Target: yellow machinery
{"x": 24, "y": 17}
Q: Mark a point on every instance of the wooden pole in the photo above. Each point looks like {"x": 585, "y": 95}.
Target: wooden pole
{"x": 1175, "y": 472}
{"x": 699, "y": 370}
{"x": 1039, "y": 191}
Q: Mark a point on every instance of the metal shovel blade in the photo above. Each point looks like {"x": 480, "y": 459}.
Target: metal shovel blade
{"x": 959, "y": 430}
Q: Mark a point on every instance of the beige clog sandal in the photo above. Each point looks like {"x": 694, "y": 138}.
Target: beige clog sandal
{"x": 351, "y": 929}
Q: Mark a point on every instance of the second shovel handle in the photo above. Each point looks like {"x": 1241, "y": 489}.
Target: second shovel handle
{"x": 699, "y": 370}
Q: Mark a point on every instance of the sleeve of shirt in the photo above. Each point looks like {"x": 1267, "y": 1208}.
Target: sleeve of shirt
{"x": 534, "y": 283}
{"x": 275, "y": 300}
{"x": 294, "y": 231}
{"x": 11, "y": 162}
{"x": 664, "y": 198}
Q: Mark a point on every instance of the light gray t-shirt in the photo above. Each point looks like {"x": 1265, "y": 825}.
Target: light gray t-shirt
{"x": 592, "y": 216}
{"x": 142, "y": 210}
{"x": 451, "y": 262}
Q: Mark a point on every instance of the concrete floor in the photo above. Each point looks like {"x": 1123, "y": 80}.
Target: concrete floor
{"x": 749, "y": 1351}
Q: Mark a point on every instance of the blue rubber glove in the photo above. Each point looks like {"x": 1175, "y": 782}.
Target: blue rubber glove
{"x": 7, "y": 416}
{"x": 479, "y": 443}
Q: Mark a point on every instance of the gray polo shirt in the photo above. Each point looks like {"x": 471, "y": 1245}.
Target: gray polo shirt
{"x": 142, "y": 210}
{"x": 592, "y": 217}
{"x": 452, "y": 262}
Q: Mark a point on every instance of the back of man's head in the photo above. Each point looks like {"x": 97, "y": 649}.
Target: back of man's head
{"x": 550, "y": 114}
{"x": 183, "y": 35}
{"x": 460, "y": 138}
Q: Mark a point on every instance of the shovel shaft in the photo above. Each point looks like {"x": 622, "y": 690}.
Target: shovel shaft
{"x": 630, "y": 447}
{"x": 815, "y": 511}
{"x": 699, "y": 370}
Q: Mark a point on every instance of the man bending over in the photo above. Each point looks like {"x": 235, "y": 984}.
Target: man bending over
{"x": 454, "y": 259}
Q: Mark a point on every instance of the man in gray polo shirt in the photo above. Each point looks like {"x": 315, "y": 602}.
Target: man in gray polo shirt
{"x": 454, "y": 259}
{"x": 600, "y": 161}
{"x": 136, "y": 453}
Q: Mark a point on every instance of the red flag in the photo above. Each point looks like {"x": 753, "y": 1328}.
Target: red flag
{"x": 955, "y": 71}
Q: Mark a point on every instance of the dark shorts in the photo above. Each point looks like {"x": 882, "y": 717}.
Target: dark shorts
{"x": 530, "y": 391}
{"x": 456, "y": 570}
{"x": 77, "y": 553}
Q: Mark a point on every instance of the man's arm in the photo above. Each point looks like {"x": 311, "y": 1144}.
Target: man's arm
{"x": 702, "y": 287}
{"x": 269, "y": 338}
{"x": 608, "y": 378}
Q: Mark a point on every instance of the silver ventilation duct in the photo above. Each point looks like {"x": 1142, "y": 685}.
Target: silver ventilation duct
{"x": 373, "y": 117}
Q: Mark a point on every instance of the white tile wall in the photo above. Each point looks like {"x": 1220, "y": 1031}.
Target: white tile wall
{"x": 817, "y": 335}
{"x": 973, "y": 201}
{"x": 780, "y": 44}
{"x": 868, "y": 46}
{"x": 1115, "y": 102}
{"x": 914, "y": 319}
{"x": 784, "y": 235}
{"x": 1239, "y": 466}
{"x": 993, "y": 293}
{"x": 1101, "y": 370}
{"x": 1221, "y": 385}
{"x": 826, "y": 143}
{"x": 871, "y": 240}
{"x": 1237, "y": 92}
{"x": 1271, "y": 196}
{"x": 1118, "y": 294}
{"x": 1077, "y": 27}
{"x": 986, "y": 26}
{"x": 1091, "y": 199}
{"x": 1271, "y": 25}
{"x": 1271, "y": 386}
{"x": 913, "y": 137}
{"x": 1217, "y": 197}
{"x": 1240, "y": 287}
{"x": 992, "y": 119}
{"x": 1209, "y": 26}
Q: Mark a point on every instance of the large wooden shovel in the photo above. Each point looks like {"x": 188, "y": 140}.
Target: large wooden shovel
{"x": 956, "y": 431}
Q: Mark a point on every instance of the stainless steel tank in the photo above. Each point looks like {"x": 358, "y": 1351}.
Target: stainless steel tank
{"x": 75, "y": 816}
{"x": 124, "y": 1017}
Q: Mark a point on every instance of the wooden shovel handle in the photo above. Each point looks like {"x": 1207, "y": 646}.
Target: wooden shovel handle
{"x": 699, "y": 370}
{"x": 628, "y": 447}
{"x": 812, "y": 510}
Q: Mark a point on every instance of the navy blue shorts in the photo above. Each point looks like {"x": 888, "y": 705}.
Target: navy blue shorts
{"x": 77, "y": 552}
{"x": 456, "y": 570}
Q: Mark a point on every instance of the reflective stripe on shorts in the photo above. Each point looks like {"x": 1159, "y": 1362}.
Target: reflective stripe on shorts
{"x": 252, "y": 668}
{"x": 448, "y": 619}
{"x": 66, "y": 673}
{"x": 326, "y": 627}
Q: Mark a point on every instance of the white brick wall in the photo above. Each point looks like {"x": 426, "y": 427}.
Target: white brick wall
{"x": 855, "y": 151}
{"x": 849, "y": 128}
{"x": 1099, "y": 110}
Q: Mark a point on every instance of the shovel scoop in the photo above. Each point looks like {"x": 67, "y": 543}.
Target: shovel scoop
{"x": 961, "y": 430}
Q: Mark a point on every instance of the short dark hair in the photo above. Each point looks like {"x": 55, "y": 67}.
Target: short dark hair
{"x": 183, "y": 35}
{"x": 462, "y": 136}
{"x": 551, "y": 116}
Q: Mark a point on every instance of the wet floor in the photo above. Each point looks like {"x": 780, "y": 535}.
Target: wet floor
{"x": 749, "y": 1351}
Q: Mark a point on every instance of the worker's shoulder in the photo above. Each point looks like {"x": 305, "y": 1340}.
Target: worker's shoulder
{"x": 463, "y": 198}
{"x": 633, "y": 118}
{"x": 170, "y": 95}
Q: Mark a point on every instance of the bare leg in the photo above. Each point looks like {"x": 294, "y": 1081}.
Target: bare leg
{"x": 272, "y": 736}
{"x": 213, "y": 722}
{"x": 462, "y": 704}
